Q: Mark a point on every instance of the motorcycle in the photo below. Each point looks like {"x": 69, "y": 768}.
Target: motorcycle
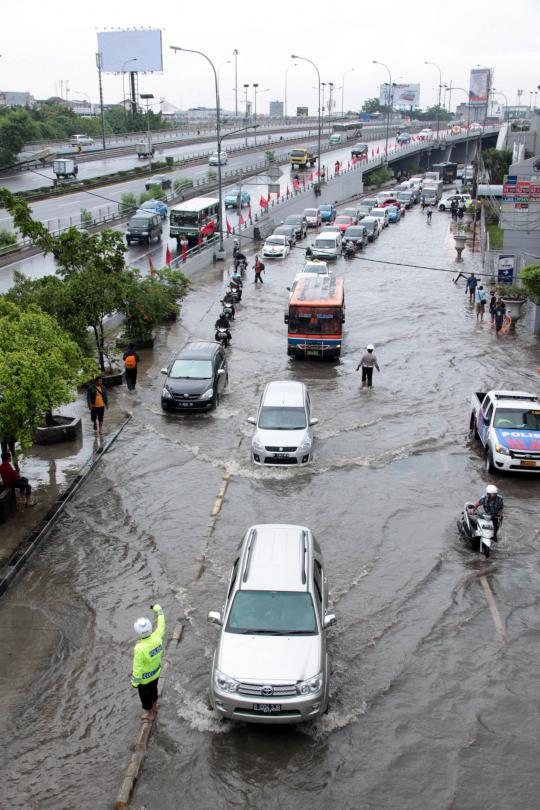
{"x": 228, "y": 310}
{"x": 223, "y": 336}
{"x": 478, "y": 528}
{"x": 236, "y": 292}
{"x": 241, "y": 267}
{"x": 348, "y": 249}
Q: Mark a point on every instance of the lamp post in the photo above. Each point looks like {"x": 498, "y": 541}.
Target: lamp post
{"x": 304, "y": 59}
{"x": 99, "y": 65}
{"x": 468, "y": 94}
{"x": 246, "y": 88}
{"x": 434, "y": 64}
{"x": 500, "y": 93}
{"x": 389, "y": 106}
{"x": 255, "y": 94}
{"x": 235, "y": 54}
{"x": 133, "y": 59}
{"x": 295, "y": 64}
{"x": 146, "y": 97}
{"x": 221, "y": 251}
{"x": 343, "y": 90}
{"x": 330, "y": 99}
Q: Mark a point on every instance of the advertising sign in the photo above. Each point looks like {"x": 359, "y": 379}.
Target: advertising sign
{"x": 126, "y": 51}
{"x": 404, "y": 95}
{"x": 505, "y": 268}
{"x": 479, "y": 85}
{"x": 302, "y": 112}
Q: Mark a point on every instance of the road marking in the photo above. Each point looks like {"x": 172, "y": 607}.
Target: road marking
{"x": 495, "y": 615}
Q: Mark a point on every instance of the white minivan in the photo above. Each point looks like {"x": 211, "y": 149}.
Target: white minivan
{"x": 381, "y": 214}
{"x": 327, "y": 245}
{"x": 284, "y": 434}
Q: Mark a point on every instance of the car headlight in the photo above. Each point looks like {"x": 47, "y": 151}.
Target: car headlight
{"x": 257, "y": 444}
{"x": 311, "y": 686}
{"x": 208, "y": 394}
{"x": 224, "y": 683}
{"x": 500, "y": 448}
{"x": 306, "y": 444}
{"x": 166, "y": 394}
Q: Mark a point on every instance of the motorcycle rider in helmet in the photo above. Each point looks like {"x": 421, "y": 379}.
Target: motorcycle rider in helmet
{"x": 493, "y": 505}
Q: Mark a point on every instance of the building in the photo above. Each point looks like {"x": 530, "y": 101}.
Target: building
{"x": 14, "y": 98}
{"x": 276, "y": 109}
{"x": 471, "y": 112}
{"x": 518, "y": 111}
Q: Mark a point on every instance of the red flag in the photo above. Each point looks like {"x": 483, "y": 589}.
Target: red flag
{"x": 241, "y": 219}
{"x": 268, "y": 200}
{"x": 262, "y": 202}
{"x": 354, "y": 160}
{"x": 348, "y": 164}
{"x": 151, "y": 263}
{"x": 249, "y": 212}
{"x": 377, "y": 150}
{"x": 168, "y": 256}
{"x": 296, "y": 184}
{"x": 288, "y": 191}
{"x": 311, "y": 177}
{"x": 228, "y": 224}
{"x": 184, "y": 250}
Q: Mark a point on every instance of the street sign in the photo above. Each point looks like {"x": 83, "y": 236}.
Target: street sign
{"x": 505, "y": 268}
{"x": 274, "y": 173}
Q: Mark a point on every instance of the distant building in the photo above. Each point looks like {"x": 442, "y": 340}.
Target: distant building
{"x": 13, "y": 98}
{"x": 276, "y": 109}
{"x": 472, "y": 112}
{"x": 519, "y": 111}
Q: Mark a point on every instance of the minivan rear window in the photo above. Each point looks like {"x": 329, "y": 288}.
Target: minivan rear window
{"x": 273, "y": 613}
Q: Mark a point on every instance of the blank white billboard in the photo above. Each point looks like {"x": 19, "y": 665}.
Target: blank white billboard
{"x": 120, "y": 48}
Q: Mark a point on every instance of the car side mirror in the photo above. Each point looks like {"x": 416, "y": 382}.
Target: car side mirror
{"x": 286, "y": 317}
{"x": 164, "y": 371}
{"x": 214, "y": 617}
{"x": 313, "y": 422}
{"x": 330, "y": 620}
{"x": 252, "y": 420}
{"x": 289, "y": 289}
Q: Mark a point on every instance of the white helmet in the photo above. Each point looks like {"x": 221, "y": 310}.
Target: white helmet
{"x": 491, "y": 489}
{"x": 143, "y": 627}
{"x": 370, "y": 347}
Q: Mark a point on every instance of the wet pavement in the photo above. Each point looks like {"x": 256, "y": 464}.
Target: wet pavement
{"x": 430, "y": 707}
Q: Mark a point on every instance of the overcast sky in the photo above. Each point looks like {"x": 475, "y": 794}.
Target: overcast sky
{"x": 44, "y": 42}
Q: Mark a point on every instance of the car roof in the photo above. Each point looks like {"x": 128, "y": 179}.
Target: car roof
{"x": 144, "y": 213}
{"x": 275, "y": 558}
{"x": 284, "y": 392}
{"x": 198, "y": 350}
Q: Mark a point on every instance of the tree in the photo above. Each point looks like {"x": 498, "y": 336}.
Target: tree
{"x": 530, "y": 277}
{"x": 16, "y": 127}
{"x": 373, "y": 105}
{"x": 93, "y": 266}
{"x": 40, "y": 369}
{"x": 497, "y": 162}
{"x": 152, "y": 299}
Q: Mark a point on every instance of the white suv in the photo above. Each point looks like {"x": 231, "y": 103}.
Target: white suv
{"x": 271, "y": 661}
{"x": 284, "y": 434}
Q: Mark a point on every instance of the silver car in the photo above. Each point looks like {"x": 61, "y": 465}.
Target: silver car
{"x": 284, "y": 434}
{"x": 271, "y": 661}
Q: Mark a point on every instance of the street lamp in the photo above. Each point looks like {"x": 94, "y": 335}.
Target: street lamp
{"x": 235, "y": 54}
{"x": 256, "y": 92}
{"x": 146, "y": 97}
{"x": 500, "y": 93}
{"x": 330, "y": 98}
{"x": 434, "y": 64}
{"x": 343, "y": 89}
{"x": 221, "y": 251}
{"x": 246, "y": 88}
{"x": 133, "y": 59}
{"x": 389, "y": 106}
{"x": 468, "y": 94}
{"x": 295, "y": 64}
{"x": 304, "y": 59}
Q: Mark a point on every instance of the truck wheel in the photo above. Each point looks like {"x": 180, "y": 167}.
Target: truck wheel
{"x": 490, "y": 467}
{"x": 472, "y": 426}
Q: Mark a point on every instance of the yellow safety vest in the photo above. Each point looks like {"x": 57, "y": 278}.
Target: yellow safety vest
{"x": 148, "y": 653}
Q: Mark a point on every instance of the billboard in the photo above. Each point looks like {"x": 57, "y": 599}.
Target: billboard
{"x": 125, "y": 51}
{"x": 302, "y": 112}
{"x": 405, "y": 96}
{"x": 479, "y": 85}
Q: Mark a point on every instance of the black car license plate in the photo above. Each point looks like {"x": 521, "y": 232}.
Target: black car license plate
{"x": 281, "y": 455}
{"x": 186, "y": 404}
{"x": 267, "y": 708}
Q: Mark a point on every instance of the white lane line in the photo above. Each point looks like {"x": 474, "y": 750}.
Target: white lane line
{"x": 495, "y": 615}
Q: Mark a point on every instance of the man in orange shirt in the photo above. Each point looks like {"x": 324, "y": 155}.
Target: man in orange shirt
{"x": 98, "y": 400}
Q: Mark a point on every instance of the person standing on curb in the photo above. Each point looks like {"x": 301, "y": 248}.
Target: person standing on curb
{"x": 481, "y": 300}
{"x": 11, "y": 478}
{"x": 259, "y": 269}
{"x": 472, "y": 283}
{"x": 429, "y": 214}
{"x": 499, "y": 312}
{"x": 492, "y": 302}
{"x": 147, "y": 655}
{"x": 97, "y": 399}
{"x": 368, "y": 362}
{"x": 131, "y": 361}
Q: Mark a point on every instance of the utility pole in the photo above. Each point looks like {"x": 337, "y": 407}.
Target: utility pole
{"x": 146, "y": 97}
{"x": 235, "y": 54}
{"x": 331, "y": 92}
{"x": 246, "y": 88}
{"x": 99, "y": 64}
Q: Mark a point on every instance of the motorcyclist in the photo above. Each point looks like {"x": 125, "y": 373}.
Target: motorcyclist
{"x": 493, "y": 505}
{"x": 238, "y": 257}
{"x": 228, "y": 300}
{"x": 223, "y": 329}
{"x": 347, "y": 247}
{"x": 309, "y": 252}
{"x": 236, "y": 285}
{"x": 222, "y": 322}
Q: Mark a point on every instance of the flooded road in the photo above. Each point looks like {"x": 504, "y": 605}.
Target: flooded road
{"x": 430, "y": 707}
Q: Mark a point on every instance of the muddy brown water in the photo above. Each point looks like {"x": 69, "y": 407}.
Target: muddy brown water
{"x": 430, "y": 708}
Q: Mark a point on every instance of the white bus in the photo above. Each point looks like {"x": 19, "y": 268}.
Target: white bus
{"x": 194, "y": 220}
{"x": 346, "y": 131}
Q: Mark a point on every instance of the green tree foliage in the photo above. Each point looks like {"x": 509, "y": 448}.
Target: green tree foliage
{"x": 7, "y": 238}
{"x": 497, "y": 162}
{"x": 372, "y": 105}
{"x": 129, "y": 202}
{"x": 430, "y": 114}
{"x": 16, "y": 129}
{"x": 40, "y": 369}
{"x": 152, "y": 299}
{"x": 530, "y": 277}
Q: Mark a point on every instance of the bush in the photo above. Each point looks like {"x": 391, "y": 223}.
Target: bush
{"x": 375, "y": 177}
{"x": 211, "y": 174}
{"x": 530, "y": 277}
{"x": 7, "y": 238}
{"x": 169, "y": 160}
{"x": 128, "y": 202}
{"x": 157, "y": 192}
{"x": 86, "y": 218}
{"x": 182, "y": 182}
{"x": 144, "y": 197}
{"x": 152, "y": 299}
{"x": 270, "y": 156}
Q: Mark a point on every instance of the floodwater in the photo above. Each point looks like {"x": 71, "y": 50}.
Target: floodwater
{"x": 430, "y": 706}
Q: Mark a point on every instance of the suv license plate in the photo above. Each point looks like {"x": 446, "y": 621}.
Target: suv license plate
{"x": 186, "y": 404}
{"x": 524, "y": 463}
{"x": 281, "y": 455}
{"x": 267, "y": 708}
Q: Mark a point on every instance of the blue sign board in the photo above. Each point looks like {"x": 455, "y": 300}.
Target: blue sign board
{"x": 505, "y": 269}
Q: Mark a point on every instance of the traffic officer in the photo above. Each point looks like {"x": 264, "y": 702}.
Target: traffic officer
{"x": 147, "y": 656}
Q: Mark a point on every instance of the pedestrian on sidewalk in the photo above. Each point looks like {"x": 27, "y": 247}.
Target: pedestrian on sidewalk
{"x": 481, "y": 301}
{"x": 429, "y": 214}
{"x": 492, "y": 302}
{"x": 423, "y": 203}
{"x": 147, "y": 655}
{"x": 131, "y": 361}
{"x": 367, "y": 363}
{"x": 11, "y": 478}
{"x": 499, "y": 311}
{"x": 472, "y": 283}
{"x": 259, "y": 269}
{"x": 97, "y": 399}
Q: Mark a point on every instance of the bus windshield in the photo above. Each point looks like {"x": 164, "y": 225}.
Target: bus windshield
{"x": 185, "y": 217}
{"x": 315, "y": 319}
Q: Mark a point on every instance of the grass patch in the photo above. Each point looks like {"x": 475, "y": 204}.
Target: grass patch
{"x": 496, "y": 236}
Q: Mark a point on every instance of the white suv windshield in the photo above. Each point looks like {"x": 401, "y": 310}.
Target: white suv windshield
{"x": 282, "y": 418}
{"x": 280, "y": 613}
{"x": 191, "y": 370}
